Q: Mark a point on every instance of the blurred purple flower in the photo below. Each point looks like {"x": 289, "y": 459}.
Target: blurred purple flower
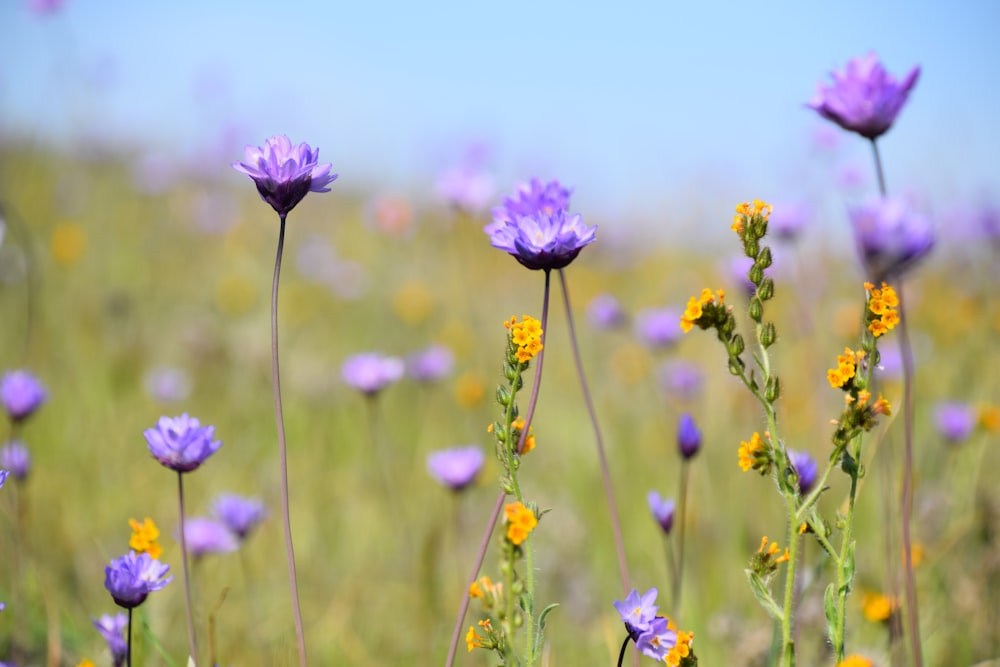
{"x": 16, "y": 459}
{"x": 284, "y": 174}
{"x": 240, "y": 515}
{"x": 112, "y": 628}
{"x": 205, "y": 536}
{"x": 788, "y": 220}
{"x": 657, "y": 327}
{"x": 955, "y": 421}
{"x": 21, "y": 394}
{"x": 541, "y": 240}
{"x": 181, "y": 443}
{"x": 370, "y": 372}
{"x": 605, "y": 312}
{"x": 430, "y": 364}
{"x": 43, "y": 7}
{"x": 637, "y": 612}
{"x": 737, "y": 269}
{"x": 657, "y": 640}
{"x": 681, "y": 378}
{"x": 154, "y": 174}
{"x": 688, "y": 437}
{"x": 3, "y": 480}
{"x": 167, "y": 384}
{"x": 890, "y": 363}
{"x": 466, "y": 188}
{"x": 805, "y": 468}
{"x": 531, "y": 199}
{"x": 662, "y": 509}
{"x": 891, "y": 237}
{"x": 132, "y": 577}
{"x": 864, "y": 97}
{"x": 455, "y": 468}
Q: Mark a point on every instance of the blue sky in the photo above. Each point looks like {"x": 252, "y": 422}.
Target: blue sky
{"x": 637, "y": 105}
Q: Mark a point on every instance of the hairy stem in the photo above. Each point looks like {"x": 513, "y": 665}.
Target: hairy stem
{"x": 192, "y": 646}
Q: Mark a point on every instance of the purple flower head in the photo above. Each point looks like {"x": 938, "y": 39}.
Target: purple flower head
{"x": 657, "y": 640}
{"x": 284, "y": 174}
{"x": 891, "y": 236}
{"x": 168, "y": 384}
{"x": 132, "y": 577}
{"x": 430, "y": 364}
{"x": 455, "y": 468}
{"x": 688, "y": 436}
{"x": 737, "y": 269}
{"x": 466, "y": 188}
{"x": 955, "y": 421}
{"x": 788, "y": 220}
{"x": 605, "y": 312}
{"x": 681, "y": 378}
{"x": 240, "y": 515}
{"x": 657, "y": 327}
{"x": 112, "y": 628}
{"x": 3, "y": 480}
{"x": 16, "y": 459}
{"x": 203, "y": 536}
{"x": 637, "y": 611}
{"x": 542, "y": 240}
{"x": 370, "y": 372}
{"x": 662, "y": 509}
{"x": 531, "y": 199}
{"x": 863, "y": 97}
{"x": 181, "y": 443}
{"x": 805, "y": 468}
{"x": 21, "y": 394}
{"x": 43, "y": 7}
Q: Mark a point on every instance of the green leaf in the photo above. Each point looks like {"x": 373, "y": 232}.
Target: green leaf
{"x": 763, "y": 595}
{"x": 830, "y": 609}
{"x": 537, "y": 648}
{"x": 847, "y": 568}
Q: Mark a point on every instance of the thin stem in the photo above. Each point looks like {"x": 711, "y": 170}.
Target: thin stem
{"x": 906, "y": 353}
{"x": 843, "y": 585}
{"x": 878, "y": 169}
{"x": 128, "y": 641}
{"x": 300, "y": 637}
{"x": 621, "y": 654}
{"x": 787, "y": 644}
{"x": 678, "y": 573}
{"x": 192, "y": 646}
{"x": 605, "y": 473}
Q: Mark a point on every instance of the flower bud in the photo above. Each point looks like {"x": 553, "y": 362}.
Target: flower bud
{"x": 756, "y": 309}
{"x": 766, "y": 289}
{"x": 736, "y": 345}
{"x": 688, "y": 437}
{"x": 750, "y": 246}
{"x": 756, "y": 273}
{"x": 768, "y": 335}
{"x": 772, "y": 389}
{"x": 503, "y": 396}
{"x": 764, "y": 258}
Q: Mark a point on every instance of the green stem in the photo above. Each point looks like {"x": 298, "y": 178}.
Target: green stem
{"x": 843, "y": 580}
{"x": 787, "y": 644}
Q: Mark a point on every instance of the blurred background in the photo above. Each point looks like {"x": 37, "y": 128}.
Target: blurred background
{"x": 135, "y": 270}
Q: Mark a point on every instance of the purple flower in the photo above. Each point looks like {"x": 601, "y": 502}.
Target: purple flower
{"x": 466, "y": 188}
{"x": 240, "y": 515}
{"x": 42, "y": 7}
{"x": 657, "y": 640}
{"x": 662, "y": 509}
{"x": 3, "y": 479}
{"x": 531, "y": 199}
{"x": 605, "y": 312}
{"x": 638, "y": 612}
{"x": 788, "y": 220}
{"x": 542, "y": 240}
{"x": 284, "y": 175}
{"x": 688, "y": 436}
{"x": 891, "y": 237}
{"x": 430, "y": 364}
{"x": 455, "y": 468}
{"x": 805, "y": 468}
{"x": 112, "y": 628}
{"x": 657, "y": 327}
{"x": 204, "y": 536}
{"x": 370, "y": 372}
{"x": 181, "y": 443}
{"x": 167, "y": 384}
{"x": 16, "y": 459}
{"x": 864, "y": 98}
{"x": 955, "y": 421}
{"x": 681, "y": 378}
{"x": 737, "y": 268}
{"x": 132, "y": 577}
{"x": 21, "y": 394}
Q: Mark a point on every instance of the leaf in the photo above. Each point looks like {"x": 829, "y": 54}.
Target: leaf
{"x": 847, "y": 568}
{"x": 830, "y": 609}
{"x": 763, "y": 595}
{"x": 537, "y": 648}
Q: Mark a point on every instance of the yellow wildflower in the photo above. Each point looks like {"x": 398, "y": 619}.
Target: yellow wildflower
{"x": 144, "y": 536}
{"x": 855, "y": 661}
{"x": 878, "y": 328}
{"x": 748, "y": 450}
{"x": 520, "y": 522}
{"x": 86, "y": 663}
{"x": 877, "y": 607}
{"x": 882, "y": 407}
{"x": 889, "y": 296}
{"x": 890, "y": 319}
{"x": 473, "y": 639}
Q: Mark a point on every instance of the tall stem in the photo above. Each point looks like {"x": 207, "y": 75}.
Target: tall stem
{"x": 878, "y": 169}
{"x": 605, "y": 473}
{"x": 300, "y": 637}
{"x": 678, "y": 573}
{"x": 128, "y": 640}
{"x": 192, "y": 645}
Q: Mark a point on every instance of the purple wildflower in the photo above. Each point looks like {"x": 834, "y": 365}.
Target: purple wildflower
{"x": 43, "y": 7}
{"x": 370, "y": 372}
{"x": 112, "y": 628}
{"x": 788, "y": 220}
{"x": 455, "y": 468}
{"x": 891, "y": 237}
{"x": 542, "y": 240}
{"x": 241, "y": 515}
{"x": 132, "y": 577}
{"x": 168, "y": 384}
{"x": 688, "y": 436}
{"x": 657, "y": 327}
{"x": 637, "y": 611}
{"x": 805, "y": 468}
{"x": 284, "y": 174}
{"x": 181, "y": 443}
{"x": 3, "y": 479}
{"x": 955, "y": 421}
{"x": 205, "y": 536}
{"x": 681, "y": 378}
{"x": 657, "y": 640}
{"x": 430, "y": 364}
{"x": 737, "y": 268}
{"x": 531, "y": 199}
{"x": 16, "y": 459}
{"x": 466, "y": 188}
{"x": 662, "y": 509}
{"x": 605, "y": 312}
{"x": 864, "y": 97}
{"x": 21, "y": 394}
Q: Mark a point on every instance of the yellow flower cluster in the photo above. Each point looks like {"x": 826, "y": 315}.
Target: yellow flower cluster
{"x": 520, "y": 522}
{"x": 527, "y": 335}
{"x": 484, "y": 586}
{"x": 882, "y": 303}
{"x": 878, "y": 607}
{"x": 855, "y": 661}
{"x": 745, "y": 210}
{"x": 144, "y": 536}
{"x": 768, "y": 551}
{"x": 682, "y": 648}
{"x": 847, "y": 364}
{"x": 695, "y": 307}
{"x": 748, "y": 450}
{"x": 517, "y": 427}
{"x": 476, "y": 640}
